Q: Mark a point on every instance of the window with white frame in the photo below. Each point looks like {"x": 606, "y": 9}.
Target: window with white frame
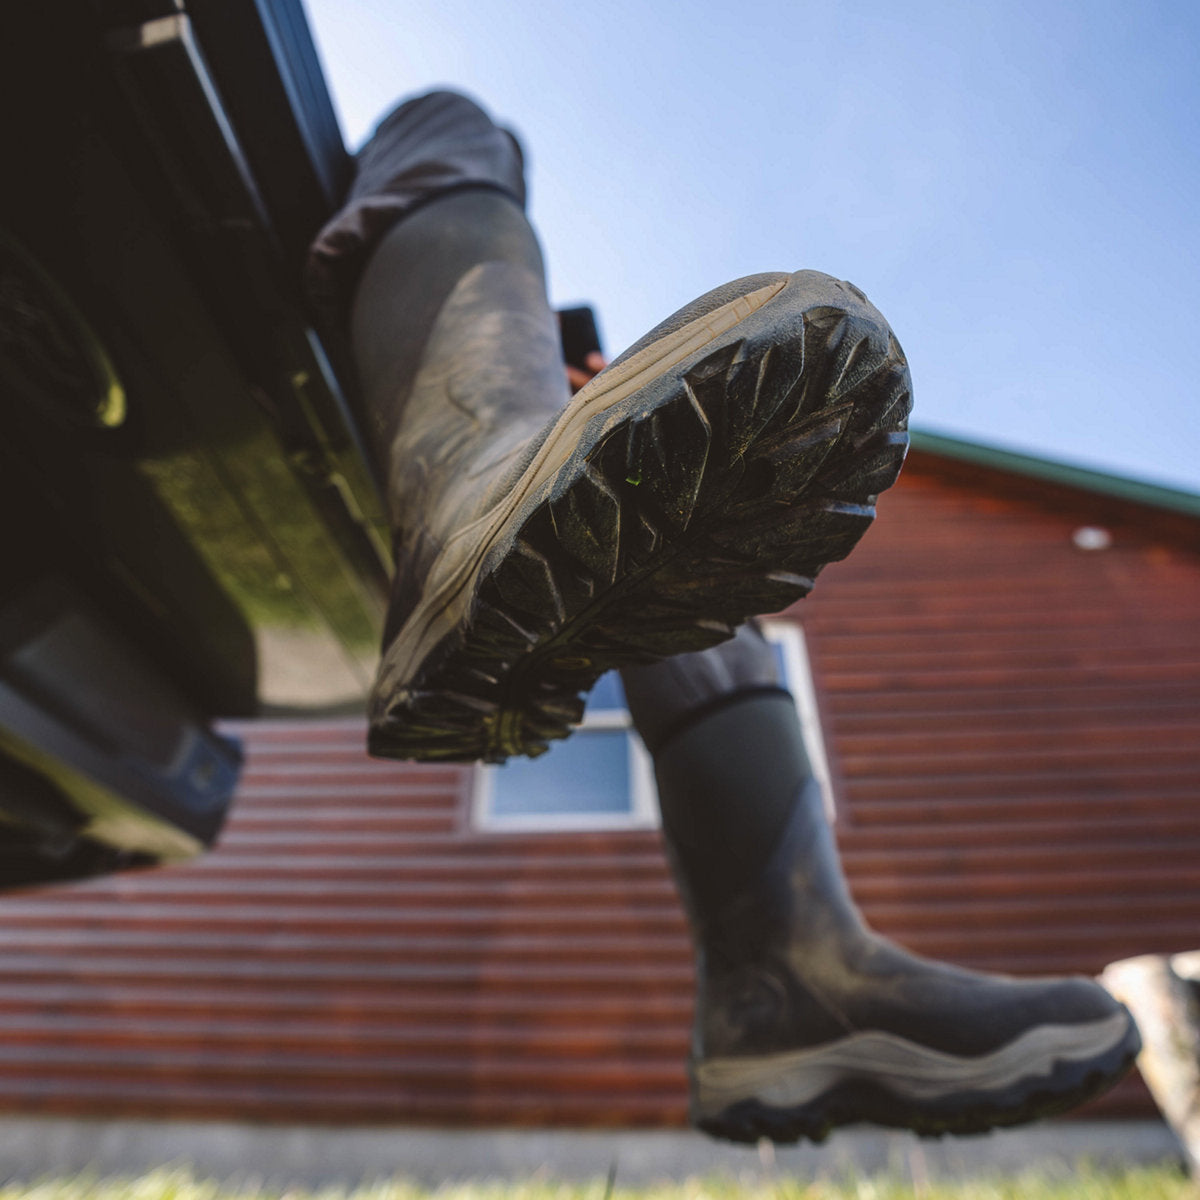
{"x": 601, "y": 777}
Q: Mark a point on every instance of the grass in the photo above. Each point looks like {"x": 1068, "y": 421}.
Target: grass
{"x": 1143, "y": 1183}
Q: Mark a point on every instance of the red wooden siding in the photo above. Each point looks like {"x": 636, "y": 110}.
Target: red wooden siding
{"x": 351, "y": 953}
{"x": 1014, "y": 726}
{"x": 1017, "y": 727}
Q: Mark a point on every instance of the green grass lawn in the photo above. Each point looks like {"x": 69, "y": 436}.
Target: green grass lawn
{"x": 1158, "y": 1183}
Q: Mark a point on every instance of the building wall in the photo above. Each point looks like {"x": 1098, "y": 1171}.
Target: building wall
{"x": 1015, "y": 728}
{"x": 1016, "y": 723}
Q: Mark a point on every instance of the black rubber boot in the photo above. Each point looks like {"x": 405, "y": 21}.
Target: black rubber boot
{"x": 708, "y": 474}
{"x": 805, "y": 1019}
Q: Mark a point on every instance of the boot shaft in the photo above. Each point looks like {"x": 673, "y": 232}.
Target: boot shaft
{"x": 751, "y": 848}
{"x": 491, "y": 378}
{"x": 401, "y": 301}
{"x": 460, "y": 365}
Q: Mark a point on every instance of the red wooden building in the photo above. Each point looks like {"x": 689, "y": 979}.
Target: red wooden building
{"x": 1007, "y": 673}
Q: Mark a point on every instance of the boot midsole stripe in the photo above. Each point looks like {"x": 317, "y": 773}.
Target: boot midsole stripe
{"x": 904, "y": 1068}
{"x": 447, "y": 592}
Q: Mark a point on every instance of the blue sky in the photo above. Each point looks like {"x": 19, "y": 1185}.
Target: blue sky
{"x": 1014, "y": 184}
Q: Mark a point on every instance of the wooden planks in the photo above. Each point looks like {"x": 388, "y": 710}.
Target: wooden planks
{"x": 352, "y": 952}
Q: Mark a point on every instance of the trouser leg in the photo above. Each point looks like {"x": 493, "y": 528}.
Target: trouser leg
{"x": 428, "y": 146}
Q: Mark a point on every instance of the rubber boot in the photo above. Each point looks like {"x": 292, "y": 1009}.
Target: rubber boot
{"x": 805, "y": 1018}
{"x": 709, "y": 473}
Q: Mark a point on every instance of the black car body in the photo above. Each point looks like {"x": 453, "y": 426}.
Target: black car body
{"x": 190, "y": 529}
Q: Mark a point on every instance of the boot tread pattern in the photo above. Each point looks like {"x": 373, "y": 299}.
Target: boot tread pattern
{"x": 851, "y": 1101}
{"x": 723, "y": 492}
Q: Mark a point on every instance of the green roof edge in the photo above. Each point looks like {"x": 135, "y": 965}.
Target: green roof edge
{"x": 1118, "y": 486}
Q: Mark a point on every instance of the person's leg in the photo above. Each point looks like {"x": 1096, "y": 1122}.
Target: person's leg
{"x": 805, "y": 1019}
{"x": 427, "y": 147}
{"x": 709, "y": 473}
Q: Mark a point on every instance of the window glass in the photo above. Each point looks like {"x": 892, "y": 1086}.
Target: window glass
{"x": 601, "y": 776}
{"x": 587, "y": 773}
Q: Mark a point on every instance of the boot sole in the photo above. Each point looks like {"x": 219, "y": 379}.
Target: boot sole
{"x": 705, "y": 479}
{"x": 885, "y": 1080}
